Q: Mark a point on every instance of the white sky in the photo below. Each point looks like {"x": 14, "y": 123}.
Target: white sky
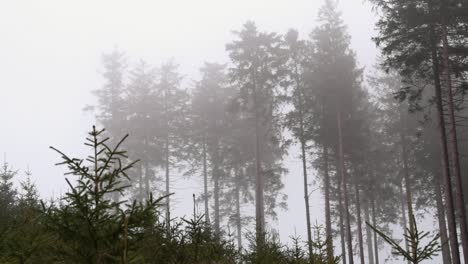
{"x": 50, "y": 53}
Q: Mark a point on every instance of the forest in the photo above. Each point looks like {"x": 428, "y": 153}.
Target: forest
{"x": 386, "y": 149}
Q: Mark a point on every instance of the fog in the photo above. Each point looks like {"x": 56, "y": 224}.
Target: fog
{"x": 50, "y": 62}
{"x": 51, "y": 58}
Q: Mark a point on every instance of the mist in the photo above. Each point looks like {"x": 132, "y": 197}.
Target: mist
{"x": 198, "y": 118}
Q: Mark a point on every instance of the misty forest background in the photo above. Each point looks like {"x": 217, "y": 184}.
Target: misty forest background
{"x": 381, "y": 150}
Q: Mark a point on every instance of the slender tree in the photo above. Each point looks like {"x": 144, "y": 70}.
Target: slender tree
{"x": 333, "y": 54}
{"x": 297, "y": 118}
{"x": 455, "y": 156}
{"x": 256, "y": 70}
{"x": 172, "y": 134}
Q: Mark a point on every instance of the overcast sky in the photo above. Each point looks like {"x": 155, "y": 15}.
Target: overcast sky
{"x": 50, "y": 55}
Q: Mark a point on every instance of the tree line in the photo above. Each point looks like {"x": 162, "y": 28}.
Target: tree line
{"x": 385, "y": 144}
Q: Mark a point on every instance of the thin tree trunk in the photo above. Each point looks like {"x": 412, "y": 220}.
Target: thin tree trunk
{"x": 306, "y": 189}
{"x": 344, "y": 187}
{"x": 359, "y": 222}
{"x": 205, "y": 183}
{"x": 403, "y": 215}
{"x": 146, "y": 167}
{"x": 147, "y": 179}
{"x": 125, "y": 241}
{"x": 406, "y": 175}
{"x": 442, "y": 223}
{"x": 168, "y": 207}
{"x": 238, "y": 213}
{"x": 370, "y": 251}
{"x": 444, "y": 151}
{"x": 259, "y": 210}
{"x": 342, "y": 228}
{"x": 328, "y": 228}
{"x": 140, "y": 182}
{"x": 304, "y": 159}
{"x": 453, "y": 137}
{"x": 216, "y": 190}
{"x": 167, "y": 160}
{"x": 376, "y": 241}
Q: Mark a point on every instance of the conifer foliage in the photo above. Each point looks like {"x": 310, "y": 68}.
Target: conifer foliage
{"x": 93, "y": 228}
{"x": 367, "y": 144}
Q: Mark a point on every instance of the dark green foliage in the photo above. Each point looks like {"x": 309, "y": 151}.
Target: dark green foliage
{"x": 7, "y": 195}
{"x": 91, "y": 227}
{"x": 25, "y": 240}
{"x": 407, "y": 30}
{"x": 414, "y": 239}
{"x": 319, "y": 245}
{"x": 270, "y": 251}
{"x": 189, "y": 241}
{"x": 87, "y": 226}
{"x": 273, "y": 251}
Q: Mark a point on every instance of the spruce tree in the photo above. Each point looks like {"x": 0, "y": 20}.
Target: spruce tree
{"x": 89, "y": 227}
{"x": 172, "y": 134}
{"x": 8, "y": 195}
{"x": 256, "y": 58}
{"x": 298, "y": 53}
{"x": 336, "y": 96}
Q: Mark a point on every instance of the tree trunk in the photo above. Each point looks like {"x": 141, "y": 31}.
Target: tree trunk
{"x": 376, "y": 241}
{"x": 444, "y": 151}
{"x": 344, "y": 187}
{"x": 342, "y": 228}
{"x": 403, "y": 215}
{"x": 442, "y": 223}
{"x": 216, "y": 191}
{"x": 370, "y": 252}
{"x": 453, "y": 137}
{"x": 406, "y": 175}
{"x": 168, "y": 207}
{"x": 205, "y": 183}
{"x": 147, "y": 178}
{"x": 259, "y": 210}
{"x": 306, "y": 190}
{"x": 140, "y": 183}
{"x": 359, "y": 222}
{"x": 146, "y": 167}
{"x": 167, "y": 160}
{"x": 328, "y": 228}
{"x": 238, "y": 213}
{"x": 304, "y": 159}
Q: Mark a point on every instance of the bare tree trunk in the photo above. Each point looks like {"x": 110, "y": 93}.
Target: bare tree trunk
{"x": 259, "y": 207}
{"x": 453, "y": 137}
{"x": 147, "y": 178}
{"x": 403, "y": 215}
{"x": 146, "y": 167}
{"x": 342, "y": 228}
{"x": 167, "y": 160}
{"x": 140, "y": 182}
{"x": 376, "y": 241}
{"x": 344, "y": 187}
{"x": 406, "y": 175}
{"x": 328, "y": 228}
{"x": 168, "y": 207}
{"x": 442, "y": 223}
{"x": 205, "y": 183}
{"x": 444, "y": 151}
{"x": 216, "y": 191}
{"x": 359, "y": 222}
{"x": 238, "y": 213}
{"x": 306, "y": 188}
{"x": 370, "y": 251}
